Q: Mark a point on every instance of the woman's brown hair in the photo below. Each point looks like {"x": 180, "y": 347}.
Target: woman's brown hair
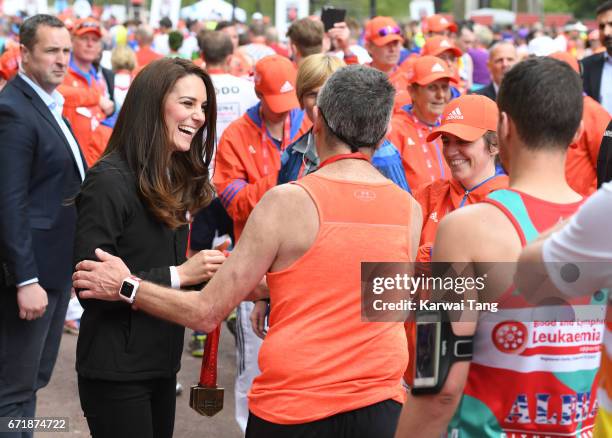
{"x": 172, "y": 184}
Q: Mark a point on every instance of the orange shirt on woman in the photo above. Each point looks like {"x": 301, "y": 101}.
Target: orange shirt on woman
{"x": 443, "y": 196}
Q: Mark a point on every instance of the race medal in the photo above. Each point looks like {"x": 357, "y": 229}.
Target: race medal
{"x": 205, "y": 397}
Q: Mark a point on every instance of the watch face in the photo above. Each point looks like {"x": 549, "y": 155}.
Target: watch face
{"x": 126, "y": 289}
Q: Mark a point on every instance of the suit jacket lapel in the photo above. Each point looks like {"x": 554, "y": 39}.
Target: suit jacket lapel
{"x": 48, "y": 116}
{"x": 492, "y": 93}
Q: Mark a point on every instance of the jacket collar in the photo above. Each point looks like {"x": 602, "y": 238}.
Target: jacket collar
{"x": 296, "y": 117}
{"x": 460, "y": 196}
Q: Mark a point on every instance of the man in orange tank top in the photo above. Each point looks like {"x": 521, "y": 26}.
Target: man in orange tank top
{"x": 324, "y": 372}
{"x": 500, "y": 391}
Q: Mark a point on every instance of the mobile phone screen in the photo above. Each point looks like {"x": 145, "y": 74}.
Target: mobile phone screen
{"x": 331, "y": 16}
{"x": 426, "y": 349}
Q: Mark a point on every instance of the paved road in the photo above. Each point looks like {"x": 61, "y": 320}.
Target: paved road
{"x": 60, "y": 398}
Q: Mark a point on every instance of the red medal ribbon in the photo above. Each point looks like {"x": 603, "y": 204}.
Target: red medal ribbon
{"x": 208, "y": 373}
{"x": 265, "y": 140}
{"x": 353, "y": 155}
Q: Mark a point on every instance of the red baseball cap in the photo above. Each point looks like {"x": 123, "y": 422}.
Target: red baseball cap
{"x": 382, "y": 30}
{"x": 468, "y": 117}
{"x": 427, "y": 69}
{"x": 87, "y": 25}
{"x": 275, "y": 79}
{"x": 439, "y": 23}
{"x": 438, "y": 44}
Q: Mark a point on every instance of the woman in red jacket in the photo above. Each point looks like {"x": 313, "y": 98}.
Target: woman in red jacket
{"x": 470, "y": 147}
{"x": 468, "y": 131}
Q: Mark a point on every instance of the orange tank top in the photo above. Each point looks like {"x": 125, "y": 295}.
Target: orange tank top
{"x": 319, "y": 358}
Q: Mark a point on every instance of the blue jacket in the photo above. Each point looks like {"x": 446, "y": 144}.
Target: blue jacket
{"x": 302, "y": 152}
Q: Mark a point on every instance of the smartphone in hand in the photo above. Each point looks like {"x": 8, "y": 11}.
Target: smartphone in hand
{"x": 331, "y": 16}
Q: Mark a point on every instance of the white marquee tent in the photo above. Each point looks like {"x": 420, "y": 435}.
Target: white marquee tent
{"x": 213, "y": 10}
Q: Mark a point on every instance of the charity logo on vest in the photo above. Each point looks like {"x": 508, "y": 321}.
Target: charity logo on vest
{"x": 510, "y": 337}
{"x": 547, "y": 338}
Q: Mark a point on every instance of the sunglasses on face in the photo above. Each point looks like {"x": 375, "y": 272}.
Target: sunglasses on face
{"x": 389, "y": 30}
{"x": 88, "y": 25}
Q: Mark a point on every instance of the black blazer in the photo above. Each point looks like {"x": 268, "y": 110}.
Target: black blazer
{"x": 592, "y": 68}
{"x": 604, "y": 159}
{"x": 488, "y": 91}
{"x": 38, "y": 179}
{"x": 115, "y": 342}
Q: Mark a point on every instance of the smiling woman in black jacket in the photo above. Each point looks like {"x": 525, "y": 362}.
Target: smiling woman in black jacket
{"x": 136, "y": 203}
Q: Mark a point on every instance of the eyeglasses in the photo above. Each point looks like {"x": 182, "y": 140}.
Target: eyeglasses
{"x": 389, "y": 30}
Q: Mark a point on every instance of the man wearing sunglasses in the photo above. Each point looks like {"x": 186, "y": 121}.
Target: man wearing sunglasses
{"x": 383, "y": 41}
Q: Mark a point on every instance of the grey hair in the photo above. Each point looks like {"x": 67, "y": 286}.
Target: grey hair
{"x": 356, "y": 103}
{"x": 144, "y": 34}
{"x": 499, "y": 44}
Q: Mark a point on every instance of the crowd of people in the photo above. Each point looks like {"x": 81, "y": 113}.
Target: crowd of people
{"x": 201, "y": 172}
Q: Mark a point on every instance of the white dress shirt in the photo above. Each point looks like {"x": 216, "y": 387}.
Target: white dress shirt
{"x": 605, "y": 89}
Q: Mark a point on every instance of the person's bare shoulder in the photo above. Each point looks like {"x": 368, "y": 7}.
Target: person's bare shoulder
{"x": 477, "y": 233}
{"x": 287, "y": 208}
{"x": 276, "y": 216}
{"x": 291, "y": 220}
{"x": 284, "y": 198}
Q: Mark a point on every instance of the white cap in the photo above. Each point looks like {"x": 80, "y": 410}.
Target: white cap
{"x": 257, "y": 16}
{"x": 578, "y": 27}
{"x": 542, "y": 46}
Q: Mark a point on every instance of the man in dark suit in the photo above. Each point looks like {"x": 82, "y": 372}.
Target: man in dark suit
{"x": 41, "y": 170}
{"x": 597, "y": 69}
{"x": 604, "y": 159}
{"x": 502, "y": 56}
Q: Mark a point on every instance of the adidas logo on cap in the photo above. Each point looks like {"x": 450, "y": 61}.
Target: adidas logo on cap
{"x": 437, "y": 68}
{"x": 287, "y": 87}
{"x": 445, "y": 43}
{"x": 455, "y": 114}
